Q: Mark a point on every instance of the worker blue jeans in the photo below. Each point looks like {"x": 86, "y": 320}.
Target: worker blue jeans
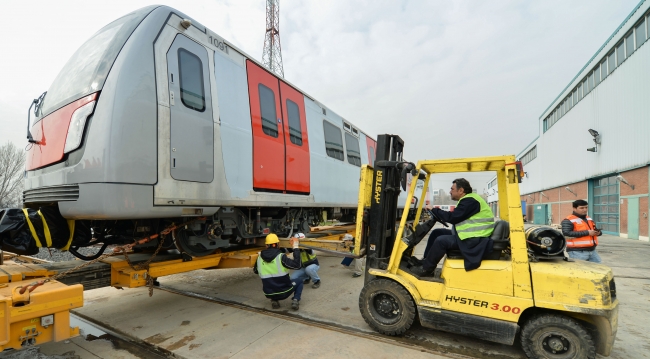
{"x": 311, "y": 271}
{"x": 590, "y": 256}
{"x": 297, "y": 291}
{"x": 439, "y": 242}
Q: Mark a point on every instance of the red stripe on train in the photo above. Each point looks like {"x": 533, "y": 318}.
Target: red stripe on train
{"x": 51, "y": 133}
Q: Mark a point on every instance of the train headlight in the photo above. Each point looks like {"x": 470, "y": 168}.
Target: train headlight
{"x": 76, "y": 128}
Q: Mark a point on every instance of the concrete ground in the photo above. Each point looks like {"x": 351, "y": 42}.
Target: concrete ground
{"x": 194, "y": 328}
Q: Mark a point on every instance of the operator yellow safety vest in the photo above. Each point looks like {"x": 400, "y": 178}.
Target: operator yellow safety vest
{"x": 271, "y": 271}
{"x": 306, "y": 257}
{"x": 580, "y": 224}
{"x": 478, "y": 225}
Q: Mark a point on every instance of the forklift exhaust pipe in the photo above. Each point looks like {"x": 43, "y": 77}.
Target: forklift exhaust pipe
{"x": 545, "y": 241}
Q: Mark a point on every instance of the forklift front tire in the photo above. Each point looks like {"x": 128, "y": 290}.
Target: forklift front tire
{"x": 387, "y": 307}
{"x": 552, "y": 336}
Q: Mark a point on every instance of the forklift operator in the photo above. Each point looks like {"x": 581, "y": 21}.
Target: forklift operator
{"x": 473, "y": 222}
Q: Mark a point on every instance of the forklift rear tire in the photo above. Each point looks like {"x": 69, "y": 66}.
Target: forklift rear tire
{"x": 387, "y": 307}
{"x": 552, "y": 336}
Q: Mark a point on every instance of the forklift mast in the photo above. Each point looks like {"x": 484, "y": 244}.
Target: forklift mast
{"x": 390, "y": 169}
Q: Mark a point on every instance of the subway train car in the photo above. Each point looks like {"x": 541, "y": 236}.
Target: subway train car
{"x": 158, "y": 120}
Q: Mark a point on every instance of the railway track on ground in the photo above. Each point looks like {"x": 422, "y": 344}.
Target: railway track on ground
{"x": 289, "y": 316}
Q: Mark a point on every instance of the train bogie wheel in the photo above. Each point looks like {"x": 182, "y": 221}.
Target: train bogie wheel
{"x": 553, "y": 336}
{"x": 182, "y": 242}
{"x": 387, "y": 307}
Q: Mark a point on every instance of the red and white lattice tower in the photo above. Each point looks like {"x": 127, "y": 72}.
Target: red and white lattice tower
{"x": 272, "y": 56}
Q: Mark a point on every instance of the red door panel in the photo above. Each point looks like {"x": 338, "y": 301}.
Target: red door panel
{"x": 268, "y": 133}
{"x": 51, "y": 132}
{"x": 295, "y": 139}
{"x": 372, "y": 150}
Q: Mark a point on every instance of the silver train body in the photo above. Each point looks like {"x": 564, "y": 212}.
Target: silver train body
{"x": 157, "y": 117}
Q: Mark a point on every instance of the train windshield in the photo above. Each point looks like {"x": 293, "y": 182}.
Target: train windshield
{"x": 88, "y": 68}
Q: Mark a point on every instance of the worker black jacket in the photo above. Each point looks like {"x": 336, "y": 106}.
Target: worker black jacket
{"x": 309, "y": 262}
{"x": 279, "y": 284}
{"x": 473, "y": 249}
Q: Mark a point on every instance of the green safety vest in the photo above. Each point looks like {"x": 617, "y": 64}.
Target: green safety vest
{"x": 306, "y": 257}
{"x": 271, "y": 269}
{"x": 478, "y": 225}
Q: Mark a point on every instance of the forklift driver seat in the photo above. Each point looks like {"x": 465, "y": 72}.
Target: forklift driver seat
{"x": 500, "y": 236}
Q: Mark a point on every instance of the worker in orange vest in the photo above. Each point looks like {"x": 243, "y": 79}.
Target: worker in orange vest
{"x": 581, "y": 233}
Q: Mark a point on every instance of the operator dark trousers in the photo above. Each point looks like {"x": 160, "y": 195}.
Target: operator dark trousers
{"x": 440, "y": 241}
{"x": 296, "y": 291}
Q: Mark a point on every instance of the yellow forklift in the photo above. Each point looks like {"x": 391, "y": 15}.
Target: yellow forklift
{"x": 526, "y": 288}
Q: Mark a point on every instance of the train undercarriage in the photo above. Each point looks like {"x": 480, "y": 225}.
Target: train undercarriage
{"x": 229, "y": 228}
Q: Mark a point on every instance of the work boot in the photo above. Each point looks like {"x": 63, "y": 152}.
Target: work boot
{"x": 295, "y": 304}
{"x": 421, "y": 272}
{"x": 275, "y": 304}
{"x": 306, "y": 281}
{"x": 414, "y": 261}
{"x": 316, "y": 284}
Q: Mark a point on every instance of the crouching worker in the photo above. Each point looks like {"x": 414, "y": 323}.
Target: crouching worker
{"x": 273, "y": 267}
{"x": 309, "y": 269}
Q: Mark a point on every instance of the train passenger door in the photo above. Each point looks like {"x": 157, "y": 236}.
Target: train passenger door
{"x": 296, "y": 141}
{"x": 268, "y": 131}
{"x": 280, "y": 142}
{"x": 191, "y": 124}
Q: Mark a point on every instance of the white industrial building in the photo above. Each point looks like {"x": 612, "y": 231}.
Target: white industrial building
{"x": 594, "y": 140}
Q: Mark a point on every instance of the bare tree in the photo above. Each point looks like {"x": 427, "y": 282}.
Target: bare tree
{"x": 12, "y": 165}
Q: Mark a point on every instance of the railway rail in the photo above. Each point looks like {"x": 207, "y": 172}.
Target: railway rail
{"x": 405, "y": 342}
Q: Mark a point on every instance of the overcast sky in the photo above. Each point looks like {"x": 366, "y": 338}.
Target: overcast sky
{"x": 452, "y": 78}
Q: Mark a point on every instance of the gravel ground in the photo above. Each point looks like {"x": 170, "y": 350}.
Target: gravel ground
{"x": 55, "y": 255}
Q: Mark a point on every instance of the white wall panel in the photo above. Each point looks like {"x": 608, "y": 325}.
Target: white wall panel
{"x": 618, "y": 108}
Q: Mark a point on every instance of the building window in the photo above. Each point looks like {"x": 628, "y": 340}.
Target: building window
{"x": 333, "y": 141}
{"x": 529, "y": 156}
{"x": 611, "y": 62}
{"x": 640, "y": 33}
{"x": 620, "y": 54}
{"x": 603, "y": 69}
{"x": 575, "y": 97}
{"x": 629, "y": 44}
{"x": 596, "y": 76}
{"x": 268, "y": 111}
{"x": 190, "y": 70}
{"x": 545, "y": 125}
{"x": 581, "y": 93}
{"x": 352, "y": 148}
{"x": 295, "y": 130}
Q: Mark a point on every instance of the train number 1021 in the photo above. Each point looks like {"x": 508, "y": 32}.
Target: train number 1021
{"x": 506, "y": 308}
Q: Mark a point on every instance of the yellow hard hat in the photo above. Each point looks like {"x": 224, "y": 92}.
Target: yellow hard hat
{"x": 272, "y": 238}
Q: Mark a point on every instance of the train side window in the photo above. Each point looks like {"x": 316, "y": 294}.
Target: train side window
{"x": 295, "y": 131}
{"x": 267, "y": 108}
{"x": 333, "y": 141}
{"x": 352, "y": 147}
{"x": 191, "y": 80}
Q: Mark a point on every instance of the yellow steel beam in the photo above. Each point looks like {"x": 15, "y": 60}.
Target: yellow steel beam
{"x": 37, "y": 317}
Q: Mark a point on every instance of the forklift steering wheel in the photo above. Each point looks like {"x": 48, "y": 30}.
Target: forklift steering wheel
{"x": 438, "y": 219}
